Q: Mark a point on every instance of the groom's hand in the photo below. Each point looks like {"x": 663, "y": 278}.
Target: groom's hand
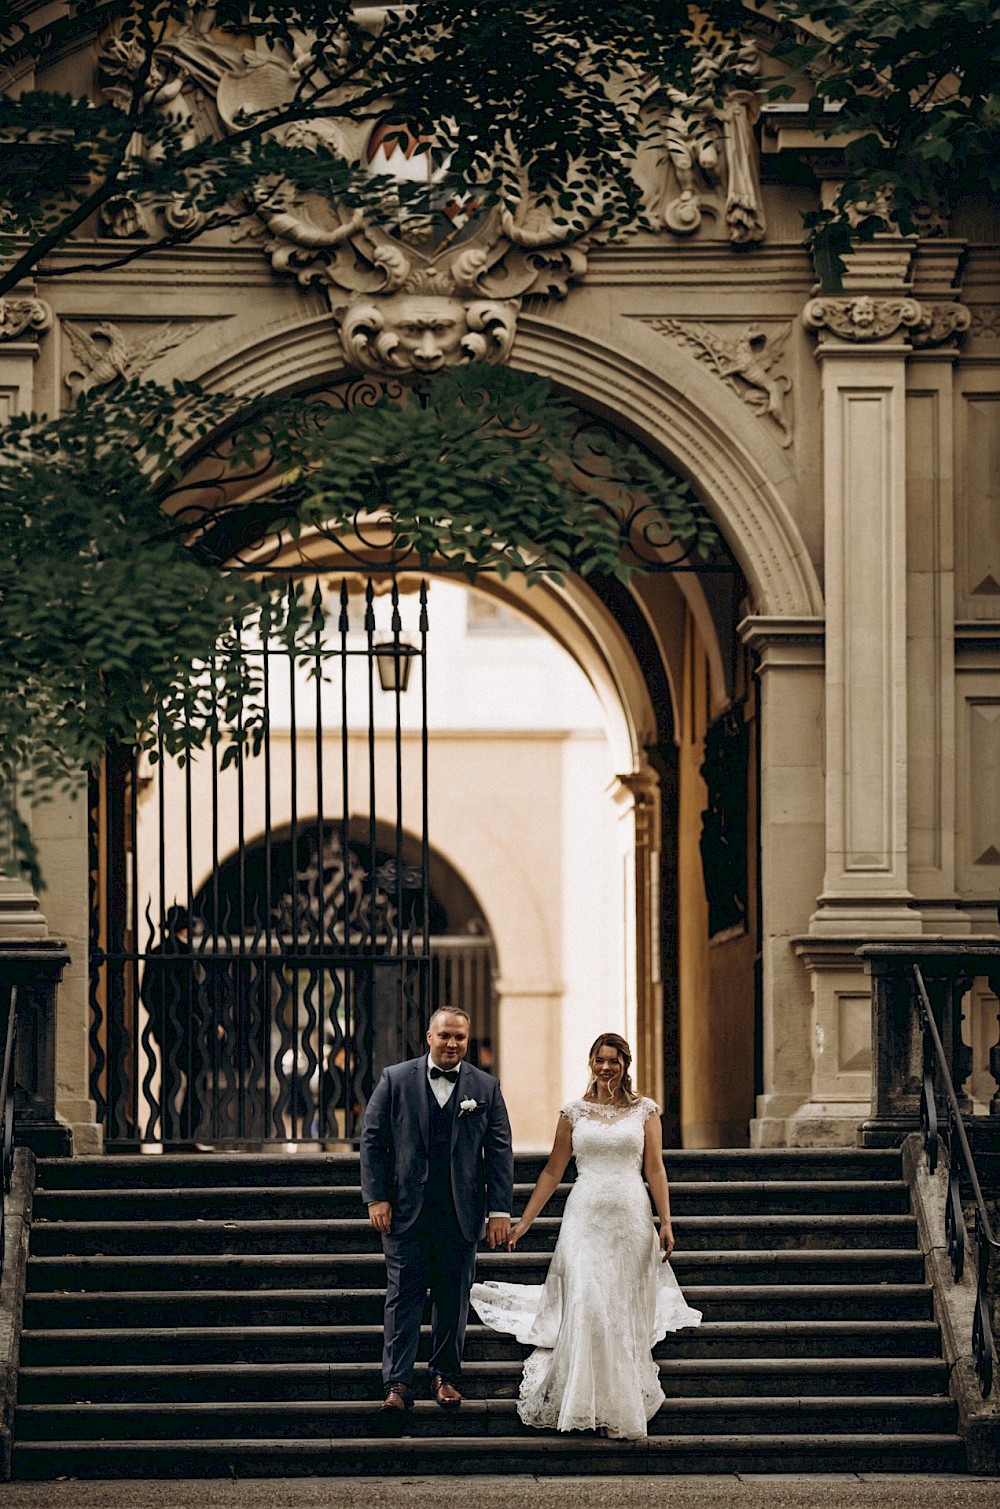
{"x": 498, "y": 1230}
{"x": 380, "y": 1215}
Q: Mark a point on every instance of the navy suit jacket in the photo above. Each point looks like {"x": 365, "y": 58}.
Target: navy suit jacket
{"x": 394, "y": 1141}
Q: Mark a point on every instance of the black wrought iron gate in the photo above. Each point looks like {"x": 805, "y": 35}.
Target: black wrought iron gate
{"x": 261, "y": 941}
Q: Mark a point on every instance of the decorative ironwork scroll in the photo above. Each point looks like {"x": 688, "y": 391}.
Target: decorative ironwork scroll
{"x": 213, "y": 500}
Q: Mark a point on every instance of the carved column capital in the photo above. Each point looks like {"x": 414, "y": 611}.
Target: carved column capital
{"x": 939, "y": 323}
{"x": 863, "y": 318}
{"x": 23, "y": 316}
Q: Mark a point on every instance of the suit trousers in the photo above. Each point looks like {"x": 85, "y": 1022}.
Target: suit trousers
{"x": 433, "y": 1254}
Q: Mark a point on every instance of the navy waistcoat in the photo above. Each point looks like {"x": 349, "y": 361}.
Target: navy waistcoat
{"x": 440, "y": 1120}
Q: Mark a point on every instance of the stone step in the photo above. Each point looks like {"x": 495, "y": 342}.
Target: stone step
{"x": 344, "y": 1419}
{"x": 507, "y": 1455}
{"x": 753, "y": 1339}
{"x": 317, "y": 1203}
{"x": 693, "y": 1233}
{"x": 341, "y": 1167}
{"x": 280, "y": 1271}
{"x": 318, "y": 1307}
{"x": 682, "y": 1380}
{"x": 819, "y": 1351}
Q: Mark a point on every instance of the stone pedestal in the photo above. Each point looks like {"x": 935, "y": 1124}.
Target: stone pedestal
{"x": 841, "y": 1039}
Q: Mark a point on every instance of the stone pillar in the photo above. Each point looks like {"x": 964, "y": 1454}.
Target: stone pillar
{"x": 22, "y": 321}
{"x": 59, "y": 828}
{"x": 887, "y": 573}
{"x": 865, "y": 888}
{"x": 789, "y": 656}
{"x": 931, "y": 756}
{"x": 638, "y": 797}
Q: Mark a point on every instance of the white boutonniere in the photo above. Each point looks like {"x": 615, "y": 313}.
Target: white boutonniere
{"x": 465, "y": 1106}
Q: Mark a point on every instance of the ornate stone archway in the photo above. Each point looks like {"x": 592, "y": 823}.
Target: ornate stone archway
{"x": 670, "y": 404}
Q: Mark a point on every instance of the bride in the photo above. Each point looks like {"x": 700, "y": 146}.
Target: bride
{"x": 610, "y": 1294}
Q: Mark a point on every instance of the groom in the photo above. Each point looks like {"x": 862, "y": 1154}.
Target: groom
{"x": 435, "y": 1158}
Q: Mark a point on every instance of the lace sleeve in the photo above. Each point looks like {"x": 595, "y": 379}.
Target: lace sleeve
{"x": 572, "y": 1112}
{"x": 649, "y": 1108}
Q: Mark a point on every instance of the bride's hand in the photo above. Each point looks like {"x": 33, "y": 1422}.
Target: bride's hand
{"x": 516, "y": 1233}
{"x": 666, "y": 1241}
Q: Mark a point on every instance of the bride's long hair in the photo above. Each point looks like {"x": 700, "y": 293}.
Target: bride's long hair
{"x": 621, "y": 1047}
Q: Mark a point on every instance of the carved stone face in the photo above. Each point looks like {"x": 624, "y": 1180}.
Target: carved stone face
{"x": 863, "y": 311}
{"x": 420, "y": 332}
{"x": 428, "y": 331}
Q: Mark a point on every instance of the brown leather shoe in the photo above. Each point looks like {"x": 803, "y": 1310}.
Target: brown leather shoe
{"x": 445, "y": 1393}
{"x": 398, "y": 1399}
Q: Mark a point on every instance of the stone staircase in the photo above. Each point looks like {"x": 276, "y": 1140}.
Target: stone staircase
{"x": 213, "y": 1315}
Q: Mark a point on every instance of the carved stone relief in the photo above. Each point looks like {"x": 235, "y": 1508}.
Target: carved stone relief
{"x": 102, "y": 355}
{"x": 939, "y": 322}
{"x": 985, "y": 322}
{"x": 865, "y": 318}
{"x": 20, "y": 317}
{"x": 437, "y": 282}
{"x": 706, "y": 151}
{"x": 862, "y": 318}
{"x": 745, "y": 362}
{"x": 412, "y": 332}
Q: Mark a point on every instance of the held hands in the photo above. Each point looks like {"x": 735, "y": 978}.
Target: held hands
{"x": 498, "y": 1231}
{"x": 517, "y": 1231}
{"x": 666, "y": 1240}
{"x": 380, "y": 1215}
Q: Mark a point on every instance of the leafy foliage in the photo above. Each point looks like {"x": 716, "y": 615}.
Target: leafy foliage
{"x": 474, "y": 471}
{"x": 516, "y": 97}
{"x": 119, "y": 622}
{"x": 915, "y": 88}
{"x": 107, "y": 619}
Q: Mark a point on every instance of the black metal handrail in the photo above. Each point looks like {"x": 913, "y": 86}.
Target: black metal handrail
{"x": 935, "y": 1067}
{"x": 7, "y": 1112}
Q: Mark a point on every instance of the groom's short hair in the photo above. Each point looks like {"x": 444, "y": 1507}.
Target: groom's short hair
{"x": 448, "y": 1011}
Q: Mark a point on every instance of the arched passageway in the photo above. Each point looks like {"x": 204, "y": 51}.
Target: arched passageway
{"x": 664, "y": 662}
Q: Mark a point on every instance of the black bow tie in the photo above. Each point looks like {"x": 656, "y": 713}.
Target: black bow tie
{"x": 449, "y": 1074}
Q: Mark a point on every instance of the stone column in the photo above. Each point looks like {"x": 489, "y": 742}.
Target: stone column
{"x": 22, "y": 321}
{"x": 887, "y": 537}
{"x": 59, "y": 828}
{"x": 638, "y": 797}
{"x": 789, "y": 655}
{"x": 863, "y": 356}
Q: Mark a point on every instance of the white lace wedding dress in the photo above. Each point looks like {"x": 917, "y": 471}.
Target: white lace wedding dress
{"x": 607, "y": 1299}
